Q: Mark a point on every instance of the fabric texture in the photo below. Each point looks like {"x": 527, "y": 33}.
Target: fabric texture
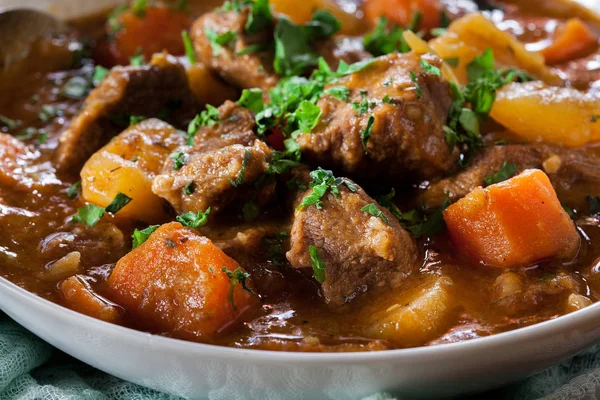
{"x": 31, "y": 369}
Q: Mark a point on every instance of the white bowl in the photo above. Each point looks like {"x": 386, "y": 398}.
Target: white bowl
{"x": 195, "y": 370}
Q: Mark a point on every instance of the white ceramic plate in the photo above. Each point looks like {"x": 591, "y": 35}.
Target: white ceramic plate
{"x": 201, "y": 371}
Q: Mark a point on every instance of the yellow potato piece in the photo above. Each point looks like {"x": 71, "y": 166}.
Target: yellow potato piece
{"x": 206, "y": 87}
{"x": 417, "y": 316}
{"x": 539, "y": 113}
{"x": 471, "y": 35}
{"x": 128, "y": 165}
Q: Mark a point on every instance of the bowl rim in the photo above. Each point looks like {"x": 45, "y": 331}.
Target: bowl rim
{"x": 561, "y": 324}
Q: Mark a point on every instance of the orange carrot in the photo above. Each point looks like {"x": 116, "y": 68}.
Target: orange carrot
{"x": 179, "y": 282}
{"x": 513, "y": 223}
{"x": 402, "y": 11}
{"x": 78, "y": 296}
{"x": 571, "y": 41}
{"x": 157, "y": 29}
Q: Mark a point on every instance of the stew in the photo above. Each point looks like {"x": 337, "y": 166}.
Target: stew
{"x": 347, "y": 177}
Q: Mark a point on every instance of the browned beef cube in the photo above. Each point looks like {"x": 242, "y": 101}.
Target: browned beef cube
{"x": 361, "y": 252}
{"x": 406, "y": 138}
{"x": 160, "y": 87}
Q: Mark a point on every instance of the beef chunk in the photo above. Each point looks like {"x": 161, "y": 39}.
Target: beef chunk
{"x": 149, "y": 90}
{"x": 245, "y": 71}
{"x": 406, "y": 137}
{"x": 255, "y": 70}
{"x": 361, "y": 251}
{"x": 565, "y": 167}
{"x": 235, "y": 126}
{"x": 216, "y": 178}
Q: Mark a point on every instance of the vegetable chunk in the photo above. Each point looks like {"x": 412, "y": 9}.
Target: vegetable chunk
{"x": 127, "y": 165}
{"x": 513, "y": 223}
{"x": 179, "y": 282}
{"x": 574, "y": 40}
{"x": 78, "y": 296}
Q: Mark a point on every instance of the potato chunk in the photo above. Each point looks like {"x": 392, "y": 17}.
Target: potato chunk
{"x": 180, "y": 282}
{"x": 78, "y": 296}
{"x": 539, "y": 113}
{"x": 417, "y": 316}
{"x": 513, "y": 223}
{"x": 128, "y": 164}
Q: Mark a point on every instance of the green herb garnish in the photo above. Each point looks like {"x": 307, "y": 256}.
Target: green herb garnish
{"x": 323, "y": 181}
{"x": 140, "y": 236}
{"x": 319, "y": 266}
{"x": 237, "y": 276}
{"x": 372, "y": 209}
{"x": 190, "y": 53}
{"x": 507, "y": 170}
{"x": 192, "y": 219}
{"x": 242, "y": 174}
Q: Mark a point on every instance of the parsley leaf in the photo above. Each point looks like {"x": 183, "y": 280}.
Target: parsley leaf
{"x": 189, "y": 188}
{"x": 237, "y": 276}
{"x": 365, "y": 134}
{"x": 507, "y": 170}
{"x": 140, "y": 236}
{"x": 415, "y": 21}
{"x": 190, "y": 53}
{"x": 49, "y": 112}
{"x": 242, "y": 174}
{"x": 136, "y": 119}
{"x": 208, "y": 117}
{"x": 293, "y": 50}
{"x": 322, "y": 181}
{"x": 120, "y": 201}
{"x": 99, "y": 74}
{"x": 383, "y": 41}
{"x": 260, "y": 17}
{"x": 137, "y": 60}
{"x": 8, "y": 122}
{"x": 307, "y": 114}
{"x": 318, "y": 264}
{"x": 413, "y": 78}
{"x": 430, "y": 69}
{"x": 217, "y": 41}
{"x": 179, "y": 158}
{"x": 250, "y": 210}
{"x": 90, "y": 214}
{"x": 252, "y": 99}
{"x": 322, "y": 25}
{"x": 74, "y": 190}
{"x": 339, "y": 92}
{"x": 192, "y": 219}
{"x": 372, "y": 209}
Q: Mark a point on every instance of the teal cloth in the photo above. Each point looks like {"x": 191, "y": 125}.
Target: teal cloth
{"x": 31, "y": 369}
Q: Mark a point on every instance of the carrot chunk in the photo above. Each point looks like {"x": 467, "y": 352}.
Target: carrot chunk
{"x": 179, "y": 282}
{"x": 572, "y": 41}
{"x": 78, "y": 296}
{"x": 402, "y": 12}
{"x": 513, "y": 223}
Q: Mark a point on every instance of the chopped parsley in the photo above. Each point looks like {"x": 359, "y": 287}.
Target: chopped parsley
{"x": 275, "y": 248}
{"x": 413, "y": 78}
{"x": 237, "y": 276}
{"x": 318, "y": 264}
{"x": 307, "y": 115}
{"x": 137, "y": 60}
{"x": 250, "y": 210}
{"x": 99, "y": 74}
{"x": 253, "y": 48}
{"x": 192, "y": 219}
{"x": 372, "y": 209}
{"x": 453, "y": 61}
{"x": 208, "y": 117}
{"x": 190, "y": 188}
{"x": 507, "y": 170}
{"x": 9, "y": 123}
{"x": 234, "y": 5}
{"x": 189, "y": 47}
{"x": 242, "y": 174}
{"x": 260, "y": 17}
{"x": 364, "y": 105}
{"x": 339, "y": 92}
{"x": 365, "y": 134}
{"x": 415, "y": 21}
{"x": 219, "y": 40}
{"x": 384, "y": 40}
{"x": 49, "y": 112}
{"x": 74, "y": 190}
{"x": 430, "y": 69}
{"x": 252, "y": 99}
{"x": 595, "y": 118}
{"x": 322, "y": 181}
{"x": 136, "y": 119}
{"x": 387, "y": 99}
{"x": 120, "y": 201}
{"x": 140, "y": 236}
{"x": 179, "y": 160}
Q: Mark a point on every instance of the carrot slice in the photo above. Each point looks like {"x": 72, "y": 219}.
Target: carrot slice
{"x": 572, "y": 41}
{"x": 402, "y": 11}
{"x": 513, "y": 223}
{"x": 179, "y": 282}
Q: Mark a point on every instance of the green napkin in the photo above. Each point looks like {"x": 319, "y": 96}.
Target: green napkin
{"x": 31, "y": 369}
